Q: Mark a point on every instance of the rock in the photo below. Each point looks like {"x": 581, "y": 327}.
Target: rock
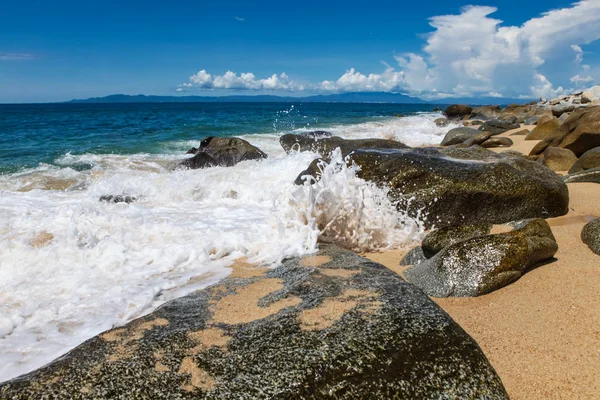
{"x": 437, "y": 109}
{"x": 590, "y": 159}
{"x": 544, "y": 130}
{"x": 522, "y": 132}
{"x": 497, "y": 142}
{"x": 193, "y": 150}
{"x": 558, "y": 159}
{"x": 511, "y": 120}
{"x": 587, "y": 97}
{"x": 458, "y": 111}
{"x": 448, "y": 189}
{"x": 581, "y": 131}
{"x": 478, "y": 139}
{"x": 442, "y": 122}
{"x": 439, "y": 239}
{"x": 560, "y": 109}
{"x": 458, "y": 135}
{"x": 314, "y": 170}
{"x": 480, "y": 265}
{"x": 329, "y": 326}
{"x": 497, "y": 127}
{"x": 199, "y": 161}
{"x": 109, "y": 198}
{"x": 544, "y": 144}
{"x": 590, "y": 175}
{"x": 544, "y": 118}
{"x": 230, "y": 151}
{"x": 532, "y": 120}
{"x": 326, "y": 145}
{"x": 564, "y": 117}
{"x": 315, "y": 134}
{"x": 590, "y": 235}
{"x": 486, "y": 112}
{"x": 399, "y": 115}
{"x": 415, "y": 256}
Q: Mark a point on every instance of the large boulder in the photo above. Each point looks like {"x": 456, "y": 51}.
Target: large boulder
{"x": 590, "y": 235}
{"x": 496, "y": 126}
{"x": 544, "y": 130}
{"x": 480, "y": 265}
{"x": 581, "y": 131}
{"x": 329, "y": 326}
{"x": 222, "y": 151}
{"x": 439, "y": 239}
{"x": 458, "y": 111}
{"x": 589, "y": 175}
{"x": 325, "y": 145}
{"x": 453, "y": 187}
{"x": 590, "y": 159}
{"x": 486, "y": 112}
{"x": 557, "y": 159}
{"x": 458, "y": 135}
{"x": 560, "y": 109}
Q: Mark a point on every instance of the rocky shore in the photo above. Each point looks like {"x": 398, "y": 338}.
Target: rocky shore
{"x": 512, "y": 254}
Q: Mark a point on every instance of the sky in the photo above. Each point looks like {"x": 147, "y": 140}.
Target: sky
{"x": 60, "y": 50}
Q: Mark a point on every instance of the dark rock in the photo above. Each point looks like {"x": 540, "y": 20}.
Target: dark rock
{"x": 544, "y": 130}
{"x": 199, "y": 161}
{"x": 458, "y": 111}
{"x": 497, "y": 142}
{"x": 511, "y": 120}
{"x": 414, "y": 256}
{"x": 532, "y": 120}
{"x": 486, "y": 112}
{"x": 590, "y": 235}
{"x": 458, "y": 135}
{"x": 313, "y": 171}
{"x": 558, "y": 159}
{"x": 450, "y": 190}
{"x": 590, "y": 159}
{"x": 442, "y": 122}
{"x": 193, "y": 150}
{"x": 399, "y": 115}
{"x": 478, "y": 139}
{"x": 437, "y": 109}
{"x": 439, "y": 239}
{"x": 560, "y": 109}
{"x": 480, "y": 265}
{"x": 522, "y": 132}
{"x": 497, "y": 127}
{"x": 230, "y": 151}
{"x": 581, "y": 131}
{"x": 326, "y": 145}
{"x": 109, "y": 198}
{"x": 590, "y": 175}
{"x": 330, "y": 326}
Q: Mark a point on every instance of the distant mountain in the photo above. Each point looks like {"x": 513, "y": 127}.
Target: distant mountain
{"x": 357, "y": 97}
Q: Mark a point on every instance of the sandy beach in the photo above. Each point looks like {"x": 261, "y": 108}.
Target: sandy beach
{"x": 541, "y": 333}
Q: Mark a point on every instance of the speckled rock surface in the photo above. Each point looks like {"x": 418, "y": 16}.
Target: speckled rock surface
{"x": 497, "y": 126}
{"x": 329, "y": 326}
{"x": 439, "y": 239}
{"x": 449, "y": 189}
{"x": 591, "y": 235}
{"x": 458, "y": 135}
{"x": 414, "y": 256}
{"x": 486, "y": 263}
{"x": 325, "y": 145}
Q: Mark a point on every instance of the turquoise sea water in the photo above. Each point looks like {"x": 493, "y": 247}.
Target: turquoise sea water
{"x": 33, "y": 134}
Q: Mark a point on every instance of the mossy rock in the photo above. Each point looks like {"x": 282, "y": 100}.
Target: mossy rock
{"x": 329, "y": 326}
{"x": 482, "y": 264}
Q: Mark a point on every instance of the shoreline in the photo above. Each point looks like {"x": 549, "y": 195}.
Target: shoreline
{"x": 542, "y": 332}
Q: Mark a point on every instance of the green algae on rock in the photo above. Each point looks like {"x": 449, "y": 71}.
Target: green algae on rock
{"x": 329, "y": 326}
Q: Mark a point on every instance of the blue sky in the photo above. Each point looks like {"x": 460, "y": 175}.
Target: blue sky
{"x": 58, "y": 50}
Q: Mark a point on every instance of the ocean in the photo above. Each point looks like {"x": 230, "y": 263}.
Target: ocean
{"x": 72, "y": 266}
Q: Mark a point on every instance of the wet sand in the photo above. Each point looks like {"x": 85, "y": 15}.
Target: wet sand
{"x": 541, "y": 333}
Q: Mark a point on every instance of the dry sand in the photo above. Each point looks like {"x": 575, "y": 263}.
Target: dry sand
{"x": 541, "y": 333}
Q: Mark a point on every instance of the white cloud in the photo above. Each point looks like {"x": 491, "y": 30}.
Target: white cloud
{"x": 17, "y": 56}
{"x": 240, "y": 19}
{"x": 244, "y": 81}
{"x": 467, "y": 54}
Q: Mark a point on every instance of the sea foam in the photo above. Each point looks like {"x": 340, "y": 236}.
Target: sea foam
{"x": 72, "y": 266}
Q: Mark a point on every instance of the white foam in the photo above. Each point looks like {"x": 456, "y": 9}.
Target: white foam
{"x": 72, "y": 266}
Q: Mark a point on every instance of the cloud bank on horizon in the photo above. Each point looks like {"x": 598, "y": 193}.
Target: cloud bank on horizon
{"x": 467, "y": 55}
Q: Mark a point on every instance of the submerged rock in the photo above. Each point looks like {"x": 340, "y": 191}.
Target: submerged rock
{"x": 590, "y": 235}
{"x": 109, "y": 198}
{"x": 448, "y": 187}
{"x": 590, "y": 159}
{"x": 329, "y": 326}
{"x": 458, "y": 111}
{"x": 441, "y": 122}
{"x": 199, "y": 161}
{"x": 480, "y": 265}
{"x": 221, "y": 151}
{"x": 458, "y": 135}
{"x": 326, "y": 145}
